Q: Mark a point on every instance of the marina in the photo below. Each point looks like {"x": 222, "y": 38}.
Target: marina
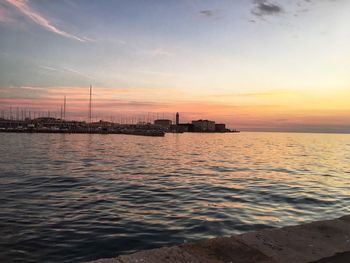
{"x": 26, "y": 121}
{"x": 51, "y": 125}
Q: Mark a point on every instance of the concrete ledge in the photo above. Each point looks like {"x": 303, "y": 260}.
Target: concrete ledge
{"x": 318, "y": 242}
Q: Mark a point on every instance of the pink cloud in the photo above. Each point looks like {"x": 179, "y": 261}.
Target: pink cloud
{"x": 25, "y": 9}
{"x": 5, "y": 15}
{"x": 108, "y": 103}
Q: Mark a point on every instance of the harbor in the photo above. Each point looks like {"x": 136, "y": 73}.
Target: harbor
{"x": 52, "y": 125}
{"x": 22, "y": 120}
{"x": 158, "y": 128}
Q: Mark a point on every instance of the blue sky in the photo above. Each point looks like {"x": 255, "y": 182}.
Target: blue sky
{"x": 245, "y": 56}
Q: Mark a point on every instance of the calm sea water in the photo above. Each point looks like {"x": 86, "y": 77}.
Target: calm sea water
{"x": 72, "y": 198}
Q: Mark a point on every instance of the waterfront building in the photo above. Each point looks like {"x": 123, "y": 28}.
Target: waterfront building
{"x": 220, "y": 127}
{"x": 164, "y": 123}
{"x": 203, "y": 126}
{"x": 182, "y": 127}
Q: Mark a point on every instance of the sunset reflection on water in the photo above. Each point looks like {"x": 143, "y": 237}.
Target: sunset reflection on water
{"x": 96, "y": 196}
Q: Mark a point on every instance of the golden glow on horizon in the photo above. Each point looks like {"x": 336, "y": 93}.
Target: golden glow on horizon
{"x": 276, "y": 108}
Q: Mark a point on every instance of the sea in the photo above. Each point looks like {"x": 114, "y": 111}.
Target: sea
{"x": 81, "y": 197}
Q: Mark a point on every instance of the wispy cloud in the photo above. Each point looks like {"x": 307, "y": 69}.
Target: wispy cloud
{"x": 207, "y": 12}
{"x": 210, "y": 13}
{"x": 67, "y": 70}
{"x": 160, "y": 52}
{"x": 273, "y": 93}
{"x": 5, "y": 15}
{"x": 265, "y": 94}
{"x": 25, "y": 9}
{"x": 266, "y": 8}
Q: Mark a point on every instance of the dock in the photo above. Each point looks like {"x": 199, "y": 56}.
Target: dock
{"x": 53, "y": 125}
{"x": 125, "y": 132}
{"x": 318, "y": 242}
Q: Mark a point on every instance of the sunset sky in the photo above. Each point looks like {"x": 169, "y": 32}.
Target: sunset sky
{"x": 280, "y": 65}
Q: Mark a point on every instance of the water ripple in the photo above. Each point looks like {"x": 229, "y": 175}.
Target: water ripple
{"x": 81, "y": 197}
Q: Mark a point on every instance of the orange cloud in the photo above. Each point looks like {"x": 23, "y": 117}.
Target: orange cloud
{"x": 133, "y": 102}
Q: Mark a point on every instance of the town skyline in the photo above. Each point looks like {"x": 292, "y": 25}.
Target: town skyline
{"x": 254, "y": 65}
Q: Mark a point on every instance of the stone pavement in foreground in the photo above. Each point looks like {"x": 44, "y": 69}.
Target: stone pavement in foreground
{"x": 317, "y": 242}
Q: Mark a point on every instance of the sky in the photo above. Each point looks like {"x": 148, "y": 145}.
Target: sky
{"x": 260, "y": 65}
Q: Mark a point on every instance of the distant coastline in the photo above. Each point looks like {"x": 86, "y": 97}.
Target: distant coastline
{"x": 158, "y": 128}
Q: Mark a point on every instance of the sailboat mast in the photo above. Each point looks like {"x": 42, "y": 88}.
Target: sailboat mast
{"x": 64, "y": 107}
{"x": 90, "y": 105}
